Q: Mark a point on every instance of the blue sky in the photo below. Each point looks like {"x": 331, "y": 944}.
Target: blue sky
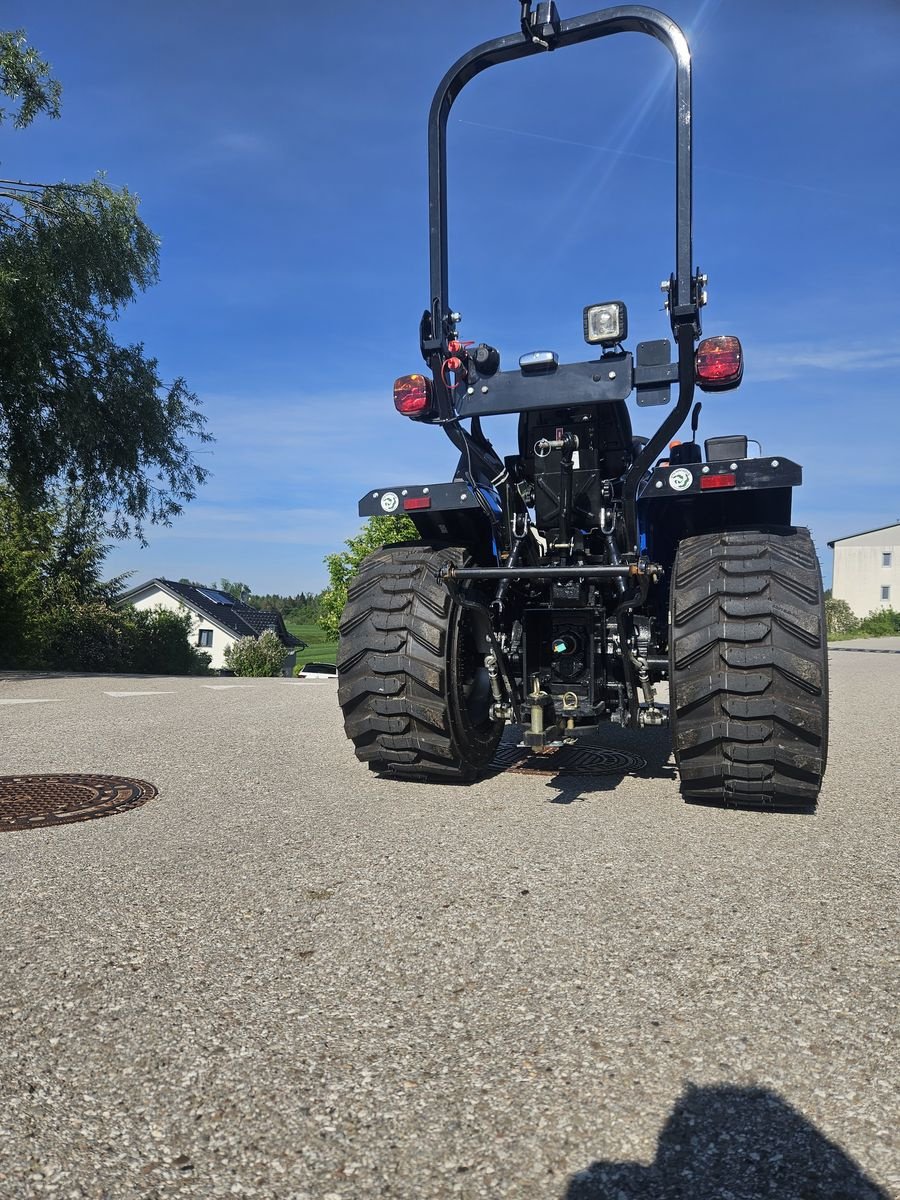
{"x": 279, "y": 151}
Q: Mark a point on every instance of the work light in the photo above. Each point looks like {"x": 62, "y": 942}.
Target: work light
{"x": 605, "y": 324}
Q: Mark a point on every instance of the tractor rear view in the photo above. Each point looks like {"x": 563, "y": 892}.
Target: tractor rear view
{"x": 557, "y": 587}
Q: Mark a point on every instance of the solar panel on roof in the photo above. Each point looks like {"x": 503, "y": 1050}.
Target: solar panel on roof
{"x": 216, "y": 596}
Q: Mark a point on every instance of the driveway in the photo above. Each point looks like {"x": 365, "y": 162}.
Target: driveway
{"x": 285, "y": 978}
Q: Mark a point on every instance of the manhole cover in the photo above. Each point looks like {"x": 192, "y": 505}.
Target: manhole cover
{"x": 42, "y": 801}
{"x": 569, "y": 760}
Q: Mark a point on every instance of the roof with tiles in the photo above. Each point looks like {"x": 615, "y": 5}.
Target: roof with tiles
{"x": 243, "y": 620}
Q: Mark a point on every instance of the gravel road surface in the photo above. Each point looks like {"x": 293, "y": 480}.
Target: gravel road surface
{"x": 288, "y": 979}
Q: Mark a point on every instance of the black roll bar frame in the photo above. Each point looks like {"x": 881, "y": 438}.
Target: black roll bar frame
{"x": 439, "y": 325}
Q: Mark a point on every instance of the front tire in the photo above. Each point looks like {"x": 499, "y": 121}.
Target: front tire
{"x": 411, "y": 683}
{"x": 748, "y": 668}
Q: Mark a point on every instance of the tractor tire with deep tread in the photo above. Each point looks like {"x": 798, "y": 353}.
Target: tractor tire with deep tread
{"x": 748, "y": 668}
{"x": 414, "y": 691}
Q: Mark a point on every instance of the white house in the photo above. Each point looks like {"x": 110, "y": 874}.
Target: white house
{"x": 867, "y": 569}
{"x": 217, "y": 619}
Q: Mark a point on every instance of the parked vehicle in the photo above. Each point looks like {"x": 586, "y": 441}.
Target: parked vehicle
{"x": 558, "y": 586}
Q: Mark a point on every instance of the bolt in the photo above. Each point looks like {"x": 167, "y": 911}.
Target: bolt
{"x": 659, "y": 483}
{"x": 425, "y": 491}
{"x": 665, "y": 285}
{"x": 706, "y": 470}
{"x": 404, "y": 492}
{"x": 374, "y": 495}
{"x": 775, "y": 462}
{"x": 464, "y": 496}
{"x": 732, "y": 466}
{"x": 612, "y": 375}
{"x": 484, "y": 389}
{"x": 470, "y": 391}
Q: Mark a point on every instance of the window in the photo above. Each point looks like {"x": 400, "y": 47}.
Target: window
{"x": 886, "y": 558}
{"x": 204, "y": 636}
{"x": 885, "y": 593}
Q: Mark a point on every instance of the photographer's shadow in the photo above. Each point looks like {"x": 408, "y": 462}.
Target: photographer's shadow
{"x": 732, "y": 1143}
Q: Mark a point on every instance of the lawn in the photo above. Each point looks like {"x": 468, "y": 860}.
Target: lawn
{"x": 319, "y": 649}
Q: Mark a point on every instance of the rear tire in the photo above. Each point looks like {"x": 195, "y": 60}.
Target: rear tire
{"x": 748, "y": 669}
{"x": 412, "y": 686}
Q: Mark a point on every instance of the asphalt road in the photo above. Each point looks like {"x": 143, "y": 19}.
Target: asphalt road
{"x": 286, "y": 978}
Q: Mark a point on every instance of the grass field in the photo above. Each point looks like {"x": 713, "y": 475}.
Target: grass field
{"x": 319, "y": 648}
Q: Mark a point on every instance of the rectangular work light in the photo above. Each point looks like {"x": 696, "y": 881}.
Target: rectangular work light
{"x": 605, "y": 324}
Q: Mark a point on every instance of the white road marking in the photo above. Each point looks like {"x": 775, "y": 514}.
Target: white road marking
{"x": 221, "y": 687}
{"x": 55, "y": 700}
{"x": 139, "y": 693}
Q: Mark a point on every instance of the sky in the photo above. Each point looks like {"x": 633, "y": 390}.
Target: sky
{"x": 279, "y": 153}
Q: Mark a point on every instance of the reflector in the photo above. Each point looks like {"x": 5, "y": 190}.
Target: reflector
{"x": 717, "y": 481}
{"x": 719, "y": 363}
{"x": 412, "y": 502}
{"x": 412, "y": 395}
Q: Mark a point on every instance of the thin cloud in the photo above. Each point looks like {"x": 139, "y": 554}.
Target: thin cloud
{"x": 773, "y": 363}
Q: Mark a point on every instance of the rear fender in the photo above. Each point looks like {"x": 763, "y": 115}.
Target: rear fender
{"x": 441, "y": 512}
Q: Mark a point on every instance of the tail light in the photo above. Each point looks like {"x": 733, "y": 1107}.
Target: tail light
{"x": 719, "y": 364}
{"x": 412, "y": 396}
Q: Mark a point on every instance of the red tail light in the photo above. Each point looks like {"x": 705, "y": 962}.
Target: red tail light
{"x": 412, "y": 395}
{"x": 719, "y": 364}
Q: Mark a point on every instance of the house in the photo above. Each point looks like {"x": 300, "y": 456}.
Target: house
{"x": 217, "y": 619}
{"x": 867, "y": 569}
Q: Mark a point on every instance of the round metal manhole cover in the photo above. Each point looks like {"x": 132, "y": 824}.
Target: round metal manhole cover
{"x": 42, "y": 801}
{"x": 567, "y": 760}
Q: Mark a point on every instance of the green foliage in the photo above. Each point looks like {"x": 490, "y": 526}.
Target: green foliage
{"x": 49, "y": 558}
{"x": 97, "y": 637}
{"x": 25, "y": 78}
{"x": 882, "y": 622}
{"x": 75, "y": 407}
{"x": 57, "y": 610}
{"x": 343, "y": 566}
{"x": 319, "y": 647}
{"x": 843, "y": 625}
{"x": 256, "y": 656}
{"x": 232, "y": 587}
{"x": 839, "y": 618}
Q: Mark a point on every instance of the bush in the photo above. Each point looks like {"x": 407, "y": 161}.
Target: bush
{"x": 343, "y": 567}
{"x": 839, "y": 618}
{"x": 92, "y": 636}
{"x": 883, "y": 622}
{"x": 262, "y": 656}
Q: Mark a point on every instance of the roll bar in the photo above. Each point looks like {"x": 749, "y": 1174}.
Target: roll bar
{"x": 542, "y": 31}
{"x": 548, "y": 32}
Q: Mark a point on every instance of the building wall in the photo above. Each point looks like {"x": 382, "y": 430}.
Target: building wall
{"x": 155, "y": 598}
{"x": 859, "y": 573}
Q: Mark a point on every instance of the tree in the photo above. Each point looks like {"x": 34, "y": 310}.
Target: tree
{"x": 25, "y": 77}
{"x": 232, "y": 587}
{"x": 50, "y": 558}
{"x": 76, "y": 408}
{"x": 343, "y": 566}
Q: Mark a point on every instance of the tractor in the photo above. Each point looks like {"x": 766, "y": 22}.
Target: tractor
{"x": 558, "y": 587}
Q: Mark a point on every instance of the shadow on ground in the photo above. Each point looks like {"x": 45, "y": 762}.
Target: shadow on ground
{"x": 644, "y": 754}
{"x": 732, "y": 1143}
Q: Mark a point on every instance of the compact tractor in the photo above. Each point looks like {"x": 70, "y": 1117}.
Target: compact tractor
{"x": 556, "y": 588}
